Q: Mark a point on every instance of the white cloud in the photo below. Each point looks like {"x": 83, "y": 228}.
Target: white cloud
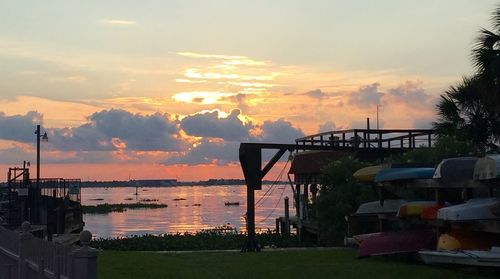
{"x": 117, "y": 22}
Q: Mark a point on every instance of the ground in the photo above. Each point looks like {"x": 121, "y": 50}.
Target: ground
{"x": 310, "y": 263}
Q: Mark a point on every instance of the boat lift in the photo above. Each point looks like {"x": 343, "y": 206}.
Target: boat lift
{"x": 367, "y": 144}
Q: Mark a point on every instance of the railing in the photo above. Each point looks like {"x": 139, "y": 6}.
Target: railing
{"x": 371, "y": 138}
{"x": 24, "y": 256}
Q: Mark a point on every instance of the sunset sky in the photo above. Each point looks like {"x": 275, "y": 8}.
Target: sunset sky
{"x": 168, "y": 89}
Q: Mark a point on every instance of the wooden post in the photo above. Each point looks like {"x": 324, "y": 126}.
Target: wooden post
{"x": 368, "y": 132}
{"x": 278, "y": 221}
{"x": 297, "y": 201}
{"x": 287, "y": 217}
{"x": 85, "y": 259}
{"x": 24, "y": 239}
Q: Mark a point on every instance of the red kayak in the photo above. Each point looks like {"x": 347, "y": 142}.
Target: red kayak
{"x": 386, "y": 243}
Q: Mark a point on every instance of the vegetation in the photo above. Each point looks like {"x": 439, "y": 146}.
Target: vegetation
{"x": 280, "y": 264}
{"x": 120, "y": 207}
{"x": 204, "y": 240}
{"x": 470, "y": 111}
{"x": 339, "y": 196}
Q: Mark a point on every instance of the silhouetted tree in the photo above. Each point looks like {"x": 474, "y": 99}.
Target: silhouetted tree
{"x": 470, "y": 111}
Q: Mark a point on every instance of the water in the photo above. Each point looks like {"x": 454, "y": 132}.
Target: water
{"x": 181, "y": 216}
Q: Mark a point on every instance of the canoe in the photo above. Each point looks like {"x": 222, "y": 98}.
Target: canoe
{"x": 489, "y": 258}
{"x": 455, "y": 171}
{"x": 368, "y": 174}
{"x": 487, "y": 167}
{"x": 394, "y": 174}
{"x": 374, "y": 207}
{"x": 386, "y": 243}
{"x": 473, "y": 209}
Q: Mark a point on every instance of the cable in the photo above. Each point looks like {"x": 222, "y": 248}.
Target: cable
{"x": 271, "y": 188}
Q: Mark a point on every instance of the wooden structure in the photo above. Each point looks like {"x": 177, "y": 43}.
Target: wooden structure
{"x": 52, "y": 204}
{"x": 366, "y": 144}
{"x": 24, "y": 256}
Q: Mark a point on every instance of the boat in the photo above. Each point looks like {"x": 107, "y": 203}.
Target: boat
{"x": 231, "y": 203}
{"x": 386, "y": 243}
{"x": 473, "y": 209}
{"x": 366, "y": 219}
{"x": 415, "y": 208}
{"x": 489, "y": 258}
{"x": 368, "y": 174}
{"x": 487, "y": 168}
{"x": 454, "y": 172}
{"x": 467, "y": 240}
{"x": 395, "y": 174}
{"x": 374, "y": 207}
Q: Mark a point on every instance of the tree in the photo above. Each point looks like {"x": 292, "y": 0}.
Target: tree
{"x": 470, "y": 111}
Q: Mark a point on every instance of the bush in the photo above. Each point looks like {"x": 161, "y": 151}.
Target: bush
{"x": 340, "y": 195}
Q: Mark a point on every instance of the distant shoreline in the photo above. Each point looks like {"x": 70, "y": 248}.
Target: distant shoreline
{"x": 170, "y": 183}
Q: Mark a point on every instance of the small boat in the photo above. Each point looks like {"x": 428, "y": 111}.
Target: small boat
{"x": 368, "y": 174}
{"x": 393, "y": 174}
{"x": 386, "y": 243}
{"x": 415, "y": 208}
{"x": 473, "y": 209}
{"x": 453, "y": 172}
{"x": 489, "y": 258}
{"x": 374, "y": 207}
{"x": 467, "y": 240}
{"x": 231, "y": 203}
{"x": 487, "y": 168}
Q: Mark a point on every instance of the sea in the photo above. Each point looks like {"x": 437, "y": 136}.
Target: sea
{"x": 190, "y": 209}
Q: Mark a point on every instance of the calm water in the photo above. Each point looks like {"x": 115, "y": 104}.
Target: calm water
{"x": 181, "y": 215}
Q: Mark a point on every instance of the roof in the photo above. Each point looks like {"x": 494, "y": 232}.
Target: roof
{"x": 311, "y": 162}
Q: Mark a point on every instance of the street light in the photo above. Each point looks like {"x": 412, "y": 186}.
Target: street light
{"x": 39, "y": 137}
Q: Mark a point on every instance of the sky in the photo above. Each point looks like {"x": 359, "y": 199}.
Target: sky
{"x": 168, "y": 89}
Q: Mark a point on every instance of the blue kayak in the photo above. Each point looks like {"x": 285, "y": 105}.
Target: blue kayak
{"x": 394, "y": 174}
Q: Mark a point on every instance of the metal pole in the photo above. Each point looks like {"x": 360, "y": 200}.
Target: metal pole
{"x": 37, "y": 156}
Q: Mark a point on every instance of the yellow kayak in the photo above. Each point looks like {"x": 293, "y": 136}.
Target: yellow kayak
{"x": 368, "y": 174}
{"x": 466, "y": 240}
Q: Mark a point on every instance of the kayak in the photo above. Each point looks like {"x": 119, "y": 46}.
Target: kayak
{"x": 487, "y": 167}
{"x": 395, "y": 174}
{"x": 368, "y": 174}
{"x": 489, "y": 258}
{"x": 473, "y": 209}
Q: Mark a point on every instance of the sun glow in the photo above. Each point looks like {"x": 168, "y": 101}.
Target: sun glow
{"x": 203, "y": 97}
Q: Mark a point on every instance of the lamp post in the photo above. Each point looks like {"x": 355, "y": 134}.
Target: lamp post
{"x": 44, "y": 138}
{"x": 38, "y": 191}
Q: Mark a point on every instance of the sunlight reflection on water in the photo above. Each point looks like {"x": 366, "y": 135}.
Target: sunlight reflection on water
{"x": 180, "y": 215}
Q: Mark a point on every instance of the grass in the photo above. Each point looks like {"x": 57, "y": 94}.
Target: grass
{"x": 311, "y": 263}
{"x": 118, "y": 207}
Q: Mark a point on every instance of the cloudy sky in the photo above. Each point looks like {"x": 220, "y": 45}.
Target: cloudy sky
{"x": 168, "y": 89}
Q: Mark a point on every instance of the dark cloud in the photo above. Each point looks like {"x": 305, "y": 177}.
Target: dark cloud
{"x": 207, "y": 152}
{"x": 210, "y": 124}
{"x": 279, "y": 131}
{"x": 411, "y": 93}
{"x": 327, "y": 127}
{"x": 316, "y": 94}
{"x": 226, "y": 152}
{"x": 119, "y": 129}
{"x": 19, "y": 127}
{"x": 366, "y": 96}
{"x": 106, "y": 130}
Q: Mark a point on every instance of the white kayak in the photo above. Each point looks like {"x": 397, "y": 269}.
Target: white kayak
{"x": 473, "y": 209}
{"x": 489, "y": 258}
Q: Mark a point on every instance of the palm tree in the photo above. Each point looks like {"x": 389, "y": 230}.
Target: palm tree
{"x": 471, "y": 110}
{"x": 463, "y": 114}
